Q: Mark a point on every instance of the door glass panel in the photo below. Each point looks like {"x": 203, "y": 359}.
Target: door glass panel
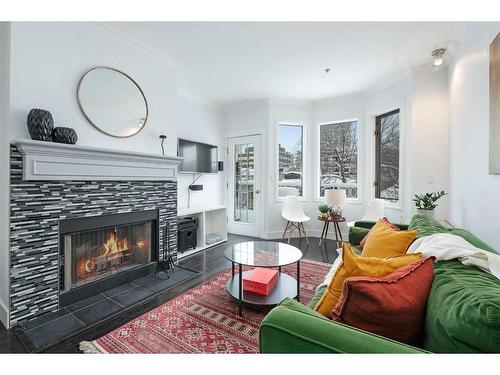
{"x": 244, "y": 183}
{"x": 389, "y": 157}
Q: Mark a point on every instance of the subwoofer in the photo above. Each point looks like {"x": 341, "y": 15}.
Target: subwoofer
{"x": 187, "y": 234}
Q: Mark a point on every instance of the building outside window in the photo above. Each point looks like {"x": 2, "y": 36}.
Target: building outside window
{"x": 290, "y": 140}
{"x": 338, "y": 158}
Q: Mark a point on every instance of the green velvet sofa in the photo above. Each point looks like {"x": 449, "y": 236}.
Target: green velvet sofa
{"x": 462, "y": 316}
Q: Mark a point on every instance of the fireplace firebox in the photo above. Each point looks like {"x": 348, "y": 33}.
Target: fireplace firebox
{"x": 100, "y": 252}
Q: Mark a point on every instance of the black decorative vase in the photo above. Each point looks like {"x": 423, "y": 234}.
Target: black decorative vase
{"x": 64, "y": 135}
{"x": 40, "y": 124}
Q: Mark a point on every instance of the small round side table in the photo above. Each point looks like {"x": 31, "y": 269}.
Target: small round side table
{"x": 338, "y": 234}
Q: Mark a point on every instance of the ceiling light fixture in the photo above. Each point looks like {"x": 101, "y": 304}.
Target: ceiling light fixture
{"x": 437, "y": 55}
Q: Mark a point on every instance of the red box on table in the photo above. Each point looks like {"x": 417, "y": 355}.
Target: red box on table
{"x": 260, "y": 281}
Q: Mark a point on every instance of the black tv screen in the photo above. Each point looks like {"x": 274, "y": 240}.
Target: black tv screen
{"x": 198, "y": 157}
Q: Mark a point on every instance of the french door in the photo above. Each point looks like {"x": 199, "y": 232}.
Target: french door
{"x": 244, "y": 179}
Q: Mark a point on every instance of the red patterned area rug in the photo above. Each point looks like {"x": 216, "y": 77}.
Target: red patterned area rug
{"x": 202, "y": 320}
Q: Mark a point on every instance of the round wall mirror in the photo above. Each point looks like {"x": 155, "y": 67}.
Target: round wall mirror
{"x": 112, "y": 102}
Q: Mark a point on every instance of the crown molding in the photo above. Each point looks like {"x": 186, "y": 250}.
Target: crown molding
{"x": 245, "y": 104}
{"x": 198, "y": 99}
{"x": 382, "y": 85}
{"x": 111, "y": 31}
{"x": 292, "y": 102}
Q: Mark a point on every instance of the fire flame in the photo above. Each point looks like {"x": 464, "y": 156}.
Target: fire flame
{"x": 114, "y": 245}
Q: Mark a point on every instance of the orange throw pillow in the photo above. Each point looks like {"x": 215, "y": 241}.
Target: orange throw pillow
{"x": 383, "y": 241}
{"x": 354, "y": 265}
{"x": 392, "y": 306}
{"x": 363, "y": 241}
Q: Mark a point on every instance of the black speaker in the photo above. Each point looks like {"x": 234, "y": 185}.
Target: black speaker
{"x": 187, "y": 229}
{"x": 196, "y": 187}
{"x": 220, "y": 166}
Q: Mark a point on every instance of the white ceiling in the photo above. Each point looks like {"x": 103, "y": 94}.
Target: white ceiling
{"x": 228, "y": 62}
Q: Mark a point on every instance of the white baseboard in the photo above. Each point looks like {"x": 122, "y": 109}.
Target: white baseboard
{"x": 4, "y": 314}
{"x": 274, "y": 235}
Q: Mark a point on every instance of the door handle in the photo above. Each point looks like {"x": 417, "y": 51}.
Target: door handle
{"x": 257, "y": 191}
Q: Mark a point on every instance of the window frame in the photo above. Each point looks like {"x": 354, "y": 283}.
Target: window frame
{"x": 318, "y": 196}
{"x": 302, "y": 124}
{"x": 374, "y": 116}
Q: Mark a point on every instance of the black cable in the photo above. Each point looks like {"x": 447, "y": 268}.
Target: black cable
{"x": 189, "y": 190}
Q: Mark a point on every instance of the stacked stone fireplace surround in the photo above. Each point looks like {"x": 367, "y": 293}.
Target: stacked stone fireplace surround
{"x": 36, "y": 207}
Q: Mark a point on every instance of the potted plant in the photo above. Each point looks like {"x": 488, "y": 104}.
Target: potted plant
{"x": 323, "y": 209}
{"x": 426, "y": 203}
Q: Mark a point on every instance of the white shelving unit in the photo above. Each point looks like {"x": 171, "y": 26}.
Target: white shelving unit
{"x": 210, "y": 220}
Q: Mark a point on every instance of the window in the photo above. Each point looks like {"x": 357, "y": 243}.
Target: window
{"x": 290, "y": 160}
{"x": 387, "y": 134}
{"x": 338, "y": 157}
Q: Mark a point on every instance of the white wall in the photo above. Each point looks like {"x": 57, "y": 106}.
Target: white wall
{"x": 246, "y": 118}
{"x": 47, "y": 61}
{"x": 200, "y": 122}
{"x": 474, "y": 194}
{"x": 4, "y": 170}
{"x": 429, "y": 136}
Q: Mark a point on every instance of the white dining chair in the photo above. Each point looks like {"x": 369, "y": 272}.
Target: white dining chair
{"x": 294, "y": 215}
{"x": 373, "y": 212}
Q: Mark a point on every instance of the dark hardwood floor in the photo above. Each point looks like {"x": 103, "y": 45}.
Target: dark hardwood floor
{"x": 209, "y": 263}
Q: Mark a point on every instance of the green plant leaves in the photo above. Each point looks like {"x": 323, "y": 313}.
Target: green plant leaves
{"x": 323, "y": 208}
{"x": 427, "y": 201}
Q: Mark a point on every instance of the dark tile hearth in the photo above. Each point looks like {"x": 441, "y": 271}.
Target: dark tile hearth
{"x": 52, "y": 332}
{"x": 54, "y": 327}
{"x": 97, "y": 312}
{"x": 132, "y": 296}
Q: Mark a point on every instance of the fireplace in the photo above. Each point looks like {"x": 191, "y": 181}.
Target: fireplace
{"x": 100, "y": 252}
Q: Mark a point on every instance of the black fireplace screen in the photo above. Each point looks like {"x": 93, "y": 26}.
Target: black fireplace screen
{"x": 94, "y": 254}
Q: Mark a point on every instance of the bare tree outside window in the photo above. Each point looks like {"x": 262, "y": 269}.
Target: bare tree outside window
{"x": 290, "y": 160}
{"x": 387, "y": 135}
{"x": 339, "y": 157}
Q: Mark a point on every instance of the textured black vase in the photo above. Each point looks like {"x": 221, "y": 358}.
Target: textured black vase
{"x": 40, "y": 124}
{"x": 64, "y": 135}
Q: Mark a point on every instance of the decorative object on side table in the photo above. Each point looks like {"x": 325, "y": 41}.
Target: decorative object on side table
{"x": 64, "y": 135}
{"x": 323, "y": 209}
{"x": 40, "y": 124}
{"x": 335, "y": 198}
{"x": 426, "y": 203}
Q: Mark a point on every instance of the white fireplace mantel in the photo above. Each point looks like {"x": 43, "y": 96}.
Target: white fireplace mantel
{"x": 56, "y": 161}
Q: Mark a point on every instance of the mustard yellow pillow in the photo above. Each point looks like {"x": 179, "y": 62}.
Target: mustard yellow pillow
{"x": 382, "y": 241}
{"x": 354, "y": 265}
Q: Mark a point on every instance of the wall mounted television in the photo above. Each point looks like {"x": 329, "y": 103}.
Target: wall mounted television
{"x": 198, "y": 157}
